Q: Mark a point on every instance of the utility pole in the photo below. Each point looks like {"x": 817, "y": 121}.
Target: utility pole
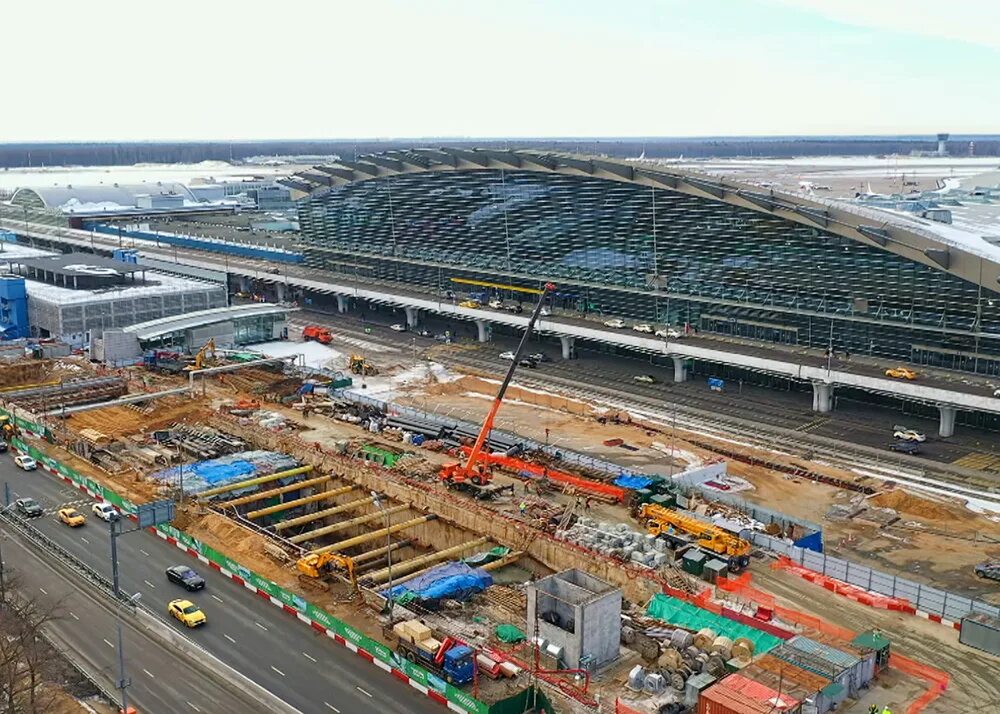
{"x": 123, "y": 680}
{"x": 388, "y": 543}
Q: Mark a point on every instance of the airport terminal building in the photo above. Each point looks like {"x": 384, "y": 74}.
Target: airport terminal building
{"x": 649, "y": 243}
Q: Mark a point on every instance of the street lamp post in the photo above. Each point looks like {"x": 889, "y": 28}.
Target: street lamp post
{"x": 388, "y": 544}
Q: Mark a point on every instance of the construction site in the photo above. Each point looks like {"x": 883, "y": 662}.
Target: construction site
{"x": 509, "y": 539}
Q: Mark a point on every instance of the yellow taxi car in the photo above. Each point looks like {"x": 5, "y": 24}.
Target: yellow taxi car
{"x": 71, "y": 517}
{"x": 187, "y": 612}
{"x": 900, "y": 373}
{"x": 470, "y": 303}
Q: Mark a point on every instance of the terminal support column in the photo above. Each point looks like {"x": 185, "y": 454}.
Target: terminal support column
{"x": 413, "y": 317}
{"x": 244, "y": 284}
{"x": 341, "y": 303}
{"x": 946, "y": 427}
{"x": 281, "y": 289}
{"x": 484, "y": 330}
{"x": 822, "y": 397}
{"x": 568, "y": 347}
{"x": 680, "y": 369}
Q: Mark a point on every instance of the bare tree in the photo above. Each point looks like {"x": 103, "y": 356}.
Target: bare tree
{"x": 25, "y": 656}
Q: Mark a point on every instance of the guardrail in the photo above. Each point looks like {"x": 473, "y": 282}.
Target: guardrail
{"x": 41, "y": 541}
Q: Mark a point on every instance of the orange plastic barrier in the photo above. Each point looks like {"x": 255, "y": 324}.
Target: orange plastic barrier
{"x": 839, "y": 587}
{"x": 936, "y": 679}
{"x": 622, "y": 709}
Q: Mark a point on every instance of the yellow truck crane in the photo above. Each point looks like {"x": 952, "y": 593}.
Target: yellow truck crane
{"x": 680, "y": 530}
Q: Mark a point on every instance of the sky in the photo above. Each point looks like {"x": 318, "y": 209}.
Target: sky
{"x": 121, "y": 70}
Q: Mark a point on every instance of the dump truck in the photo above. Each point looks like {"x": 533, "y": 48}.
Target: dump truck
{"x": 680, "y": 530}
{"x": 446, "y": 656}
{"x": 317, "y": 333}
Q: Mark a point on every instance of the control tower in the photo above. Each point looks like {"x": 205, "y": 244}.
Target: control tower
{"x": 942, "y": 146}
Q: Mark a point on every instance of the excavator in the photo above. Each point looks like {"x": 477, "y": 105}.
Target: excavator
{"x": 203, "y": 354}
{"x": 358, "y": 364}
{"x": 319, "y": 566}
{"x": 474, "y": 473}
{"x": 680, "y": 529}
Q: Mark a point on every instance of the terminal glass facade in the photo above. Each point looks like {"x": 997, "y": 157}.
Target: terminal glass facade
{"x": 653, "y": 255}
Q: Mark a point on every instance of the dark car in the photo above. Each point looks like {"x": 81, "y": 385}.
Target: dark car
{"x": 527, "y": 362}
{"x": 3, "y": 446}
{"x": 29, "y": 507}
{"x": 539, "y": 357}
{"x": 516, "y": 309}
{"x": 185, "y": 576}
{"x": 905, "y": 447}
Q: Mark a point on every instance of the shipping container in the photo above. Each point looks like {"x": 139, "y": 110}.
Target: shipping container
{"x": 738, "y": 695}
{"x": 981, "y": 631}
{"x": 867, "y": 656}
{"x": 788, "y": 679}
{"x": 816, "y": 665}
{"x": 849, "y": 668}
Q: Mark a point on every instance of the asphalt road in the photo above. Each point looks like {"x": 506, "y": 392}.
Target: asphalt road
{"x": 164, "y": 680}
{"x": 302, "y": 667}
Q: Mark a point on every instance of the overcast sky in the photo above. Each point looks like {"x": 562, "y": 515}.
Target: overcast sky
{"x": 126, "y": 70}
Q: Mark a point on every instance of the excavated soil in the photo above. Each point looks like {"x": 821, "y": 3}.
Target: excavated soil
{"x": 914, "y": 505}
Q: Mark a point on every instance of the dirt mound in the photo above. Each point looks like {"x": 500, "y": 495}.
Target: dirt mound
{"x": 910, "y": 504}
{"x": 240, "y": 544}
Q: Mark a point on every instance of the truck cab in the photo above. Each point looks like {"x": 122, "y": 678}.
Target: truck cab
{"x": 458, "y": 666}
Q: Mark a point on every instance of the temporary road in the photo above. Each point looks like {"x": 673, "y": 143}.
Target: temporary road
{"x": 304, "y": 668}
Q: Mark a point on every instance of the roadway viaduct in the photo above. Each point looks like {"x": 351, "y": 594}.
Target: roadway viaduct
{"x": 249, "y": 638}
{"x": 950, "y": 393}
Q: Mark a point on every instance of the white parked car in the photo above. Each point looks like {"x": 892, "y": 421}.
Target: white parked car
{"x": 645, "y": 378}
{"x": 615, "y": 323}
{"x": 105, "y": 511}
{"x": 398, "y": 327}
{"x": 496, "y": 304}
{"x": 669, "y": 333}
{"x": 909, "y": 435}
{"x": 25, "y": 462}
{"x": 996, "y": 392}
{"x": 509, "y": 356}
{"x": 545, "y": 312}
{"x": 648, "y": 329}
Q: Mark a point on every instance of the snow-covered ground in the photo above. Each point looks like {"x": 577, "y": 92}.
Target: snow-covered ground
{"x": 316, "y": 355}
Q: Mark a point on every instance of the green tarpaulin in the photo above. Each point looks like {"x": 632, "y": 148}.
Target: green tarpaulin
{"x": 677, "y": 612}
{"x": 509, "y": 633}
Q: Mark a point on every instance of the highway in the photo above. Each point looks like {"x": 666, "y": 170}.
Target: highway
{"x": 304, "y": 668}
{"x": 163, "y": 678}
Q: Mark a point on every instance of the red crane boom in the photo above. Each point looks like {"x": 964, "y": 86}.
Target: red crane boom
{"x": 473, "y": 470}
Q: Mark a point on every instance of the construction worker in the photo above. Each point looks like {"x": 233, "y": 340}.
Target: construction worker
{"x": 523, "y": 507}
{"x": 873, "y": 709}
{"x": 886, "y": 710}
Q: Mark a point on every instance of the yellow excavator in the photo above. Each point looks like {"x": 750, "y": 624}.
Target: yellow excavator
{"x": 359, "y": 365}
{"x": 680, "y": 529}
{"x": 203, "y": 354}
{"x": 320, "y": 566}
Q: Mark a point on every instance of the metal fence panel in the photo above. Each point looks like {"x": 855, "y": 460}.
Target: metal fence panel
{"x": 885, "y": 584}
{"x": 931, "y": 600}
{"x": 836, "y": 568}
{"x": 860, "y": 575}
{"x": 814, "y": 561}
{"x": 906, "y": 589}
{"x": 956, "y": 606}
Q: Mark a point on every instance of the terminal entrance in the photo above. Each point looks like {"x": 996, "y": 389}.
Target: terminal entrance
{"x": 960, "y": 359}
{"x": 750, "y": 329}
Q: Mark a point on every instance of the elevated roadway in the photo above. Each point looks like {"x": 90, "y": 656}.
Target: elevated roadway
{"x": 948, "y": 393}
{"x": 301, "y": 667}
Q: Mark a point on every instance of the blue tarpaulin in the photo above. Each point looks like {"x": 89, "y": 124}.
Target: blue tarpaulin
{"x": 456, "y": 581}
{"x": 633, "y": 482}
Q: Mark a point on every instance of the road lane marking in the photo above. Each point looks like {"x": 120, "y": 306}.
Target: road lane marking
{"x": 229, "y": 638}
{"x": 367, "y": 694}
{"x": 109, "y": 644}
{"x": 217, "y": 598}
{"x": 330, "y": 706}
{"x": 85, "y": 540}
{"x": 149, "y": 674}
{"x": 73, "y": 615}
{"x": 308, "y": 656}
{"x": 260, "y": 625}
{"x": 43, "y": 591}
{"x": 143, "y": 552}
{"x": 192, "y": 706}
{"x": 277, "y": 670}
{"x": 149, "y": 584}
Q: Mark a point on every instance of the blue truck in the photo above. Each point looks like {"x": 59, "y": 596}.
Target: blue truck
{"x": 446, "y": 657}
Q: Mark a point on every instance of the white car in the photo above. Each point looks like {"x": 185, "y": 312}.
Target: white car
{"x": 615, "y": 323}
{"x": 669, "y": 333}
{"x": 25, "y": 462}
{"x": 545, "y": 312}
{"x": 398, "y": 327}
{"x": 648, "y": 329}
{"x": 644, "y": 378}
{"x": 509, "y": 356}
{"x": 496, "y": 304}
{"x": 909, "y": 435}
{"x": 105, "y": 511}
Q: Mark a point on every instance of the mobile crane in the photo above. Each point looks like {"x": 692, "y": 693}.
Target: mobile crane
{"x": 474, "y": 473}
{"x": 679, "y": 529}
